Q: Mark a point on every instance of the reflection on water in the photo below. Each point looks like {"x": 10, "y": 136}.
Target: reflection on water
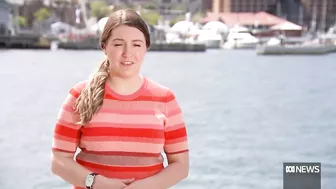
{"x": 246, "y": 114}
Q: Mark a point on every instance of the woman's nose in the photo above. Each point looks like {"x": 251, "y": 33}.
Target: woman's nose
{"x": 127, "y": 51}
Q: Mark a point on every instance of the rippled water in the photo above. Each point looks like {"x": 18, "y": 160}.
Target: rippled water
{"x": 246, "y": 114}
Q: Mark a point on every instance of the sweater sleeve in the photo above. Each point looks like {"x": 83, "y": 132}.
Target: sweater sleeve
{"x": 175, "y": 130}
{"x": 66, "y": 132}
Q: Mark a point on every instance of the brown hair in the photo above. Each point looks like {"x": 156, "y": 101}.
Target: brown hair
{"x": 91, "y": 97}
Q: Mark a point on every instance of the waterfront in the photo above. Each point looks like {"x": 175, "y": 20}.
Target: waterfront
{"x": 246, "y": 114}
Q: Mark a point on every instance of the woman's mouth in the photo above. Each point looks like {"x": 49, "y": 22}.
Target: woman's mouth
{"x": 127, "y": 63}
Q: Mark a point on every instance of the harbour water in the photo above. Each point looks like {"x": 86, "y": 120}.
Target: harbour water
{"x": 245, "y": 114}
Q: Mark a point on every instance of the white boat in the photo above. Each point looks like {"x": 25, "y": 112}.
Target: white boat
{"x": 314, "y": 47}
{"x": 211, "y": 39}
{"x": 295, "y": 49}
{"x": 240, "y": 38}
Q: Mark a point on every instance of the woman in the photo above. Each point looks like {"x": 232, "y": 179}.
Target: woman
{"x": 120, "y": 120}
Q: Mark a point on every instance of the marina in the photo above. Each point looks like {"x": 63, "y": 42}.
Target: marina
{"x": 212, "y": 30}
{"x": 255, "y": 81}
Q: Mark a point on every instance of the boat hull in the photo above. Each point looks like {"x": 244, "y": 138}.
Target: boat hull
{"x": 295, "y": 50}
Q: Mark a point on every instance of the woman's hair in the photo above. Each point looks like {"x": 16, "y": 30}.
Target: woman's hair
{"x": 91, "y": 97}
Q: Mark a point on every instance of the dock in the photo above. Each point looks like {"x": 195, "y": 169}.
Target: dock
{"x": 36, "y": 42}
{"x": 93, "y": 44}
{"x": 23, "y": 41}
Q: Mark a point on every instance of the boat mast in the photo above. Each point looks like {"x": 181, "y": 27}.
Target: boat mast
{"x": 82, "y": 5}
{"x": 324, "y": 15}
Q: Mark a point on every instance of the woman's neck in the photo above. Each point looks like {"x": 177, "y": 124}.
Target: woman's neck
{"x": 125, "y": 86}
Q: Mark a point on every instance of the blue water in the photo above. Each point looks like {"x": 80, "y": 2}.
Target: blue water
{"x": 246, "y": 114}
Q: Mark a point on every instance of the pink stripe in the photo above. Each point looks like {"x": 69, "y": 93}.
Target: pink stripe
{"x": 172, "y": 105}
{"x": 67, "y": 124}
{"x": 156, "y": 88}
{"x": 139, "y": 111}
{"x": 154, "y": 118}
{"x": 124, "y": 139}
{"x": 123, "y": 174}
{"x": 180, "y": 146}
{"x": 64, "y": 138}
{"x": 122, "y": 146}
{"x": 173, "y": 112}
{"x": 132, "y": 105}
{"x": 80, "y": 86}
{"x": 68, "y": 107}
{"x": 64, "y": 145}
{"x": 175, "y": 120}
{"x": 174, "y": 127}
{"x": 66, "y": 116}
{"x": 69, "y": 100}
{"x": 120, "y": 160}
{"x": 69, "y": 103}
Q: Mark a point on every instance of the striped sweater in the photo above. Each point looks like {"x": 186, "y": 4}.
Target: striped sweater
{"x": 126, "y": 138}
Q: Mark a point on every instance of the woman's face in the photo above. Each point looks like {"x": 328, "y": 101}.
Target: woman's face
{"x": 125, "y": 50}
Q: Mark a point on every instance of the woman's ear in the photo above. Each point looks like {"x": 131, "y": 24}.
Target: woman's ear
{"x": 104, "y": 48}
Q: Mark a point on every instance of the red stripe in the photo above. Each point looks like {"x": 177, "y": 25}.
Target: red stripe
{"x": 66, "y": 131}
{"x": 170, "y": 98}
{"x": 178, "y": 152}
{"x": 176, "y": 134}
{"x": 60, "y": 150}
{"x": 178, "y": 140}
{"x": 118, "y": 168}
{"x": 74, "y": 93}
{"x": 129, "y": 132}
{"x": 64, "y": 138}
{"x": 123, "y": 125}
{"x": 113, "y": 153}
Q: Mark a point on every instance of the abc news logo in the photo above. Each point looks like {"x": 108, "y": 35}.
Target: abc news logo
{"x": 302, "y": 169}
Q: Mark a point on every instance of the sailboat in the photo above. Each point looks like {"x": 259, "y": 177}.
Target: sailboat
{"x": 310, "y": 47}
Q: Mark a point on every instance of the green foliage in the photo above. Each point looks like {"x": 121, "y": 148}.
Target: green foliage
{"x": 150, "y": 6}
{"x": 178, "y": 7}
{"x": 21, "y": 21}
{"x": 151, "y": 17}
{"x": 41, "y": 14}
{"x": 99, "y": 9}
{"x": 59, "y": 2}
{"x": 197, "y": 16}
{"x": 177, "y": 19}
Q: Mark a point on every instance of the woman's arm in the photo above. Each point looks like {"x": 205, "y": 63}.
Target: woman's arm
{"x": 65, "y": 142}
{"x": 176, "y": 171}
{"x": 65, "y": 167}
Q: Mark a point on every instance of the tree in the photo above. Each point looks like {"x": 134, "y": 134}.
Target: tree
{"x": 177, "y": 19}
{"x": 150, "y": 6}
{"x": 21, "y": 21}
{"x": 99, "y": 9}
{"x": 196, "y": 17}
{"x": 151, "y": 17}
{"x": 41, "y": 14}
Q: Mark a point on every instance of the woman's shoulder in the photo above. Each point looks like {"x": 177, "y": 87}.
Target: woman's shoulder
{"x": 157, "y": 88}
{"x": 78, "y": 87}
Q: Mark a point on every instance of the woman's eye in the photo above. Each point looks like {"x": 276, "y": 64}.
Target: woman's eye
{"x": 137, "y": 45}
{"x": 117, "y": 45}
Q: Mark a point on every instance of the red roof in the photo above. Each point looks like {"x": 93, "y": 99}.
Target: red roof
{"x": 244, "y": 18}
